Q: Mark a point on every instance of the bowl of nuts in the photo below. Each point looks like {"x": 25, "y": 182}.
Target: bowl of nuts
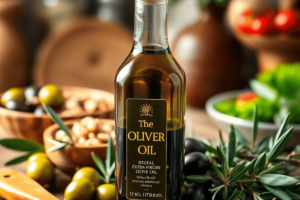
{"x": 22, "y": 115}
{"x": 89, "y": 135}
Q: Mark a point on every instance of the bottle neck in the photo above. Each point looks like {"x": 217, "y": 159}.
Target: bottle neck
{"x": 150, "y": 26}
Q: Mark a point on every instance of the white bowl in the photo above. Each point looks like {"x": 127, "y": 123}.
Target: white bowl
{"x": 264, "y": 129}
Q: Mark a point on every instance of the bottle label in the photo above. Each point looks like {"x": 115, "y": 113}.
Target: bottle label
{"x": 146, "y": 149}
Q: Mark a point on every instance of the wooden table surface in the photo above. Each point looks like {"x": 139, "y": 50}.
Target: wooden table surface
{"x": 202, "y": 124}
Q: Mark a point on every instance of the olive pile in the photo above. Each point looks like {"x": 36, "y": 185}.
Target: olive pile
{"x": 66, "y": 103}
{"x": 86, "y": 185}
{"x": 40, "y": 168}
{"x": 88, "y": 132}
{"x": 31, "y": 99}
{"x": 196, "y": 163}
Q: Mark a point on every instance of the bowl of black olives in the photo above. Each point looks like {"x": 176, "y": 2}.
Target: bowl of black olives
{"x": 22, "y": 114}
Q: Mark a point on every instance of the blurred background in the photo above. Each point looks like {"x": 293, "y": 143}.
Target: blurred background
{"x": 83, "y": 42}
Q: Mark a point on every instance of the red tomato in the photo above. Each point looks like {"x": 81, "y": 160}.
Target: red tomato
{"x": 246, "y": 98}
{"x": 244, "y": 21}
{"x": 264, "y": 24}
{"x": 287, "y": 20}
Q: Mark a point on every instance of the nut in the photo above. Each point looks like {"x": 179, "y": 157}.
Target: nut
{"x": 90, "y": 106}
{"x": 67, "y": 94}
{"x": 79, "y": 130}
{"x": 92, "y": 135}
{"x": 81, "y": 140}
{"x": 72, "y": 104}
{"x": 60, "y": 134}
{"x": 66, "y": 139}
{"x": 103, "y": 137}
{"x": 106, "y": 128}
{"x": 90, "y": 123}
{"x": 95, "y": 141}
{"x": 79, "y": 97}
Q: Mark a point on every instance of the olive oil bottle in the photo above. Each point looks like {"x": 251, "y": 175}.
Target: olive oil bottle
{"x": 150, "y": 111}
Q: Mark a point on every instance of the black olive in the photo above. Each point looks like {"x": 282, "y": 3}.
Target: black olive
{"x": 17, "y": 105}
{"x": 196, "y": 193}
{"x": 216, "y": 183}
{"x": 39, "y": 111}
{"x": 192, "y": 145}
{"x": 196, "y": 163}
{"x": 32, "y": 91}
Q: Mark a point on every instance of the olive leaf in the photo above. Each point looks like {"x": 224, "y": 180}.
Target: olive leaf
{"x": 271, "y": 169}
{"x": 247, "y": 180}
{"x": 224, "y": 161}
{"x": 225, "y": 193}
{"x": 231, "y": 146}
{"x": 278, "y": 192}
{"x": 240, "y": 139}
{"x": 242, "y": 173}
{"x": 219, "y": 174}
{"x": 198, "y": 178}
{"x": 110, "y": 155}
{"x": 59, "y": 146}
{"x": 237, "y": 168}
{"x": 236, "y": 194}
{"x": 208, "y": 146}
{"x": 280, "y": 145}
{"x": 283, "y": 127}
{"x": 58, "y": 121}
{"x": 111, "y": 170}
{"x": 25, "y": 145}
{"x": 221, "y": 139}
{"x": 293, "y": 195}
{"x": 263, "y": 145}
{"x": 277, "y": 180}
{"x": 216, "y": 190}
{"x": 21, "y": 144}
{"x": 99, "y": 163}
{"x": 255, "y": 126}
{"x": 108, "y": 168}
{"x": 260, "y": 163}
{"x": 19, "y": 159}
{"x": 251, "y": 167}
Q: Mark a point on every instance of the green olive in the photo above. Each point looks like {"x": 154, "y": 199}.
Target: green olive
{"x": 36, "y": 156}
{"x": 41, "y": 170}
{"x": 88, "y": 173}
{"x": 79, "y": 190}
{"x": 106, "y": 192}
{"x": 51, "y": 95}
{"x": 12, "y": 94}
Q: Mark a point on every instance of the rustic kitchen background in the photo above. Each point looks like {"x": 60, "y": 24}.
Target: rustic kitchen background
{"x": 83, "y": 42}
{"x": 65, "y": 54}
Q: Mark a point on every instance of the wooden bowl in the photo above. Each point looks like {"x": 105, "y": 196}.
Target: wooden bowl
{"x": 28, "y": 125}
{"x": 72, "y": 157}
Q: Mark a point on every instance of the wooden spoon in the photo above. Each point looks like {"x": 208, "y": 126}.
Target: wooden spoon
{"x": 17, "y": 186}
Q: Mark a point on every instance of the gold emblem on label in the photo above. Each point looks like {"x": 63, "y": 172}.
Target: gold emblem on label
{"x": 146, "y": 110}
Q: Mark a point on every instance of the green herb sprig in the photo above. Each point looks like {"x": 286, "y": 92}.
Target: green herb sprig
{"x": 23, "y": 145}
{"x": 30, "y": 147}
{"x": 258, "y": 171}
{"x": 107, "y": 169}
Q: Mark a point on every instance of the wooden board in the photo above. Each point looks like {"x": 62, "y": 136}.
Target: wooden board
{"x": 86, "y": 53}
{"x": 16, "y": 186}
